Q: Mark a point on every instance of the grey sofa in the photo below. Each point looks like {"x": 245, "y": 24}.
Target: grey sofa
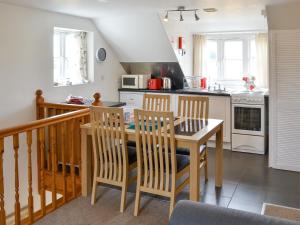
{"x": 193, "y": 213}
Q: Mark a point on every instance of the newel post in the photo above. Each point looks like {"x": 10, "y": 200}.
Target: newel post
{"x": 97, "y": 101}
{"x": 39, "y": 99}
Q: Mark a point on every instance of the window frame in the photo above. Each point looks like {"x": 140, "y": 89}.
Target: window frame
{"x": 220, "y": 39}
{"x": 62, "y": 81}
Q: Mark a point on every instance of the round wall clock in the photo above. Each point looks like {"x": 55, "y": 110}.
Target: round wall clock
{"x": 101, "y": 55}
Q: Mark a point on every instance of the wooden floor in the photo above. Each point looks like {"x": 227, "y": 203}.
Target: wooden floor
{"x": 248, "y": 183}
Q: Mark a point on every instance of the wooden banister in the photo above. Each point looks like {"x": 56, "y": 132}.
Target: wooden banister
{"x": 57, "y": 145}
{"x": 97, "y": 97}
{"x": 43, "y": 123}
{"x": 39, "y": 99}
{"x": 57, "y": 131}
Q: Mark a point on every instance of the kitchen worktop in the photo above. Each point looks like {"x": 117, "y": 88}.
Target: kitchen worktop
{"x": 180, "y": 91}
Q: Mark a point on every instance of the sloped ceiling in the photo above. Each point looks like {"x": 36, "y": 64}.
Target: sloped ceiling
{"x": 133, "y": 27}
{"x": 137, "y": 38}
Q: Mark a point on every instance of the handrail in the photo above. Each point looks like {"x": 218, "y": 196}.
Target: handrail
{"x": 63, "y": 106}
{"x": 42, "y": 123}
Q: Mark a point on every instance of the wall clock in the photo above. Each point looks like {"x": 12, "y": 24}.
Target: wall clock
{"x": 101, "y": 55}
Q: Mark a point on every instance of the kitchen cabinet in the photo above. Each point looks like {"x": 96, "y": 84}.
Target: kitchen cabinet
{"x": 135, "y": 99}
{"x": 220, "y": 108}
{"x": 132, "y": 99}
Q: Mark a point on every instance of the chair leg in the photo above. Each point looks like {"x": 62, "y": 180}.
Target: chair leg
{"x": 123, "y": 196}
{"x": 206, "y": 164}
{"x": 137, "y": 201}
{"x": 93, "y": 198}
{"x": 172, "y": 203}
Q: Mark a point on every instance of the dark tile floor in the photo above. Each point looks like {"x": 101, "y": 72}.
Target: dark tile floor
{"x": 248, "y": 183}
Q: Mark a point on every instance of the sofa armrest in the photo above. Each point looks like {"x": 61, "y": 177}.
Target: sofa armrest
{"x": 193, "y": 213}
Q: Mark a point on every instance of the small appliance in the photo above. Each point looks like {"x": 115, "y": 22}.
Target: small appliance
{"x": 203, "y": 83}
{"x": 154, "y": 84}
{"x": 166, "y": 83}
{"x": 135, "y": 81}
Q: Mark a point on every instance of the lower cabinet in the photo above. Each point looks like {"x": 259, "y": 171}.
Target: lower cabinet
{"x": 219, "y": 108}
{"x": 133, "y": 99}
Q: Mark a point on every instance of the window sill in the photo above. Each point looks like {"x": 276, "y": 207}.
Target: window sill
{"x": 70, "y": 85}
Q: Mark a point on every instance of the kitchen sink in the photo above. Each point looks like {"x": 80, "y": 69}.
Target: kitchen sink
{"x": 198, "y": 90}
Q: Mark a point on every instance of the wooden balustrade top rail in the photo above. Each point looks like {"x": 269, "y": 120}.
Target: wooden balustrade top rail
{"x": 43, "y": 123}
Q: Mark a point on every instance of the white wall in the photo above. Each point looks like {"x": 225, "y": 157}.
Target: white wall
{"x": 283, "y": 16}
{"x": 26, "y": 64}
{"x": 137, "y": 37}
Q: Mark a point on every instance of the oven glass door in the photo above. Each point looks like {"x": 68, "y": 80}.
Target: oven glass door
{"x": 248, "y": 119}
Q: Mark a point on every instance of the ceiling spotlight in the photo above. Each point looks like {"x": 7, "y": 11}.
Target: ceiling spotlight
{"x": 210, "y": 10}
{"x": 196, "y": 16}
{"x": 166, "y": 17}
{"x": 181, "y": 17}
{"x": 181, "y": 10}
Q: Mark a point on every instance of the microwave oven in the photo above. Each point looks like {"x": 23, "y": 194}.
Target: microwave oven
{"x": 135, "y": 81}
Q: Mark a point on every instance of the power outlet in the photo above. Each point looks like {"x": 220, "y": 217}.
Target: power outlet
{"x": 102, "y": 77}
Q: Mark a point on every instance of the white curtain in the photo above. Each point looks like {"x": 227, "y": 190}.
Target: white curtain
{"x": 262, "y": 78}
{"x": 83, "y": 56}
{"x": 198, "y": 51}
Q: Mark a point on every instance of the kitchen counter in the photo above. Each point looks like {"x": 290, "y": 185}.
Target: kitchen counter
{"x": 180, "y": 91}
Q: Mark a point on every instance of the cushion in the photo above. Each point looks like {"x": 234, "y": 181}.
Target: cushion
{"x": 195, "y": 213}
{"x": 186, "y": 151}
{"x": 131, "y": 143}
{"x": 131, "y": 154}
{"x": 182, "y": 161}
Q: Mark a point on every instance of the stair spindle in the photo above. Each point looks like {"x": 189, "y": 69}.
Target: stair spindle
{"x": 17, "y": 196}
{"x": 72, "y": 161}
{"x": 2, "y": 209}
{"x": 41, "y": 145}
{"x": 54, "y": 163}
{"x": 30, "y": 196}
{"x": 63, "y": 138}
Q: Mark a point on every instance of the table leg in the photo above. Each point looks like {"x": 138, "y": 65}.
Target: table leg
{"x": 219, "y": 157}
{"x": 194, "y": 172}
{"x": 86, "y": 182}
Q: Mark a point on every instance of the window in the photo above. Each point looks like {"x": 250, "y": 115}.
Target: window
{"x": 70, "y": 56}
{"x": 229, "y": 58}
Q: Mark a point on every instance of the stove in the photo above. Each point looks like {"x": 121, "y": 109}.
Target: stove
{"x": 250, "y": 98}
{"x": 248, "y": 122}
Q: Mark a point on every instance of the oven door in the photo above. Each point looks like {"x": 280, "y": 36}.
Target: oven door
{"x": 130, "y": 81}
{"x": 248, "y": 119}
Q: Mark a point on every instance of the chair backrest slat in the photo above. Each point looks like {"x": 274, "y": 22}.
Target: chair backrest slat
{"x": 155, "y": 102}
{"x": 109, "y": 143}
{"x": 193, "y": 106}
{"x": 156, "y": 152}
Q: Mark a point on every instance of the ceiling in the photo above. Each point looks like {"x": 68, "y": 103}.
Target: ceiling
{"x": 102, "y": 8}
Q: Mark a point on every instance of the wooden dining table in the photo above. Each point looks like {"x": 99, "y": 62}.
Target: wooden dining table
{"x": 189, "y": 133}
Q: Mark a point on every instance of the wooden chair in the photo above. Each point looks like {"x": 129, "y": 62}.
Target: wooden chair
{"x": 159, "y": 168}
{"x": 154, "y": 102}
{"x": 113, "y": 160}
{"x": 196, "y": 107}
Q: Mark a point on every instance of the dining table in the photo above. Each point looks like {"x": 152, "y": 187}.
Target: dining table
{"x": 190, "y": 133}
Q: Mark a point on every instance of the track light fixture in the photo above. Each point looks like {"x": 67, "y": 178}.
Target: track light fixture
{"x": 181, "y": 9}
{"x": 166, "y": 19}
{"x": 196, "y": 16}
{"x": 181, "y": 17}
